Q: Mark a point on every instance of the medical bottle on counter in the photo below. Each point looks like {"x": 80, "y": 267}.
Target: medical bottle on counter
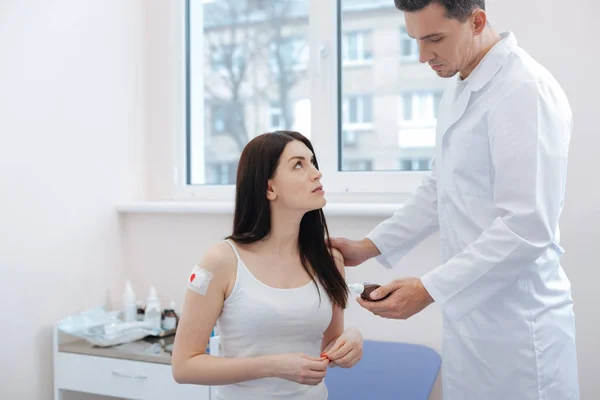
{"x": 153, "y": 312}
{"x": 140, "y": 310}
{"x": 170, "y": 319}
{"x": 129, "y": 308}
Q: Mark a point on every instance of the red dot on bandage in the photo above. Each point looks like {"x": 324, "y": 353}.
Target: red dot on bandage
{"x": 192, "y": 277}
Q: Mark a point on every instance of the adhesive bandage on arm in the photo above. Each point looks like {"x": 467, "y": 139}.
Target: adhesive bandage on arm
{"x": 199, "y": 280}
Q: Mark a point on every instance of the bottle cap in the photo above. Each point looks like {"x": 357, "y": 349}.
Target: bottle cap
{"x": 128, "y": 289}
{"x": 356, "y": 288}
{"x": 152, "y": 294}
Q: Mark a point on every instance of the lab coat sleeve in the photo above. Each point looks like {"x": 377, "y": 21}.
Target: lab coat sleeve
{"x": 529, "y": 133}
{"x": 413, "y": 222}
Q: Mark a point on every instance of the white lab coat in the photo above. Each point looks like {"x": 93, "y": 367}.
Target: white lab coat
{"x": 495, "y": 194}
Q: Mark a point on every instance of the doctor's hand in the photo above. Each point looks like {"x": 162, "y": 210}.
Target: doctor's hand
{"x": 355, "y": 252}
{"x": 408, "y": 297}
{"x": 347, "y": 350}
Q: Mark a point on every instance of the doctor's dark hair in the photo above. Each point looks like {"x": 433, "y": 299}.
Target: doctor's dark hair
{"x": 252, "y": 218}
{"x": 457, "y": 9}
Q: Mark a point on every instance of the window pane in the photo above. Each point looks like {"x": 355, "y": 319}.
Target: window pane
{"x": 393, "y": 112}
{"x": 407, "y": 106}
{"x": 353, "y": 110}
{"x": 367, "y": 109}
{"x": 367, "y": 46}
{"x": 352, "y": 43}
{"x": 252, "y": 57}
{"x": 408, "y": 47}
{"x": 219, "y": 115}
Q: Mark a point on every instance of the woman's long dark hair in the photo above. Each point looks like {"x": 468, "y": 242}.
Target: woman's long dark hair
{"x": 252, "y": 219}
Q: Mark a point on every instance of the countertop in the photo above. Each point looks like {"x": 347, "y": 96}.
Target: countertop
{"x": 141, "y": 350}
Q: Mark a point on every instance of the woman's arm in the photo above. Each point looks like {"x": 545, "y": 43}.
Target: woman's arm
{"x": 189, "y": 362}
{"x": 343, "y": 348}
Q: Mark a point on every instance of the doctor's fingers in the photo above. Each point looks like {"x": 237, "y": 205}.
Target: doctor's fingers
{"x": 377, "y": 306}
{"x": 385, "y": 290}
{"x": 398, "y": 314}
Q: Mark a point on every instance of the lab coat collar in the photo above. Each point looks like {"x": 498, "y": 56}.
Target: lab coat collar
{"x": 487, "y": 68}
{"x": 492, "y": 62}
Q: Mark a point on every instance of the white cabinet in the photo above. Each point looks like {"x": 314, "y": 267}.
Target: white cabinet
{"x": 122, "y": 378}
{"x": 118, "y": 377}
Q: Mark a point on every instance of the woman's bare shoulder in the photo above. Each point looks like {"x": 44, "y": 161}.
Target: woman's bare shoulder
{"x": 219, "y": 259}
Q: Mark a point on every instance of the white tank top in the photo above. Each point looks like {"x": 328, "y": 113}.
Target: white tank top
{"x": 259, "y": 320}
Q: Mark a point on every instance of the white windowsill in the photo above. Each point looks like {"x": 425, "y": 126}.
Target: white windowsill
{"x": 226, "y": 208}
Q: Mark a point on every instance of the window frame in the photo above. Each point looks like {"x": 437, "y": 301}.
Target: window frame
{"x": 325, "y": 63}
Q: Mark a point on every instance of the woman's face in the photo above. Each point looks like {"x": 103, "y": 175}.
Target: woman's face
{"x": 296, "y": 182}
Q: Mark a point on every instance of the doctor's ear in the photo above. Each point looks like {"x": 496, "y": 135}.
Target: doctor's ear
{"x": 479, "y": 21}
{"x": 271, "y": 195}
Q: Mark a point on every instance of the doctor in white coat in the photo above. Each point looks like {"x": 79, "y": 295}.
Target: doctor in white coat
{"x": 495, "y": 194}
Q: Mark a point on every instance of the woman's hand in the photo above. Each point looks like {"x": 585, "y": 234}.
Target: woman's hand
{"x": 347, "y": 350}
{"x": 300, "y": 368}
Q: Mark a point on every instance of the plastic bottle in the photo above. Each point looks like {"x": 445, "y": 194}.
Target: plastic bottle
{"x": 152, "y": 314}
{"x": 170, "y": 321}
{"x": 129, "y": 307}
{"x": 140, "y": 310}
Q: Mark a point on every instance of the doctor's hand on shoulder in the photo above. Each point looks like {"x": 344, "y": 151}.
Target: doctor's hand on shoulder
{"x": 407, "y": 297}
{"x": 355, "y": 252}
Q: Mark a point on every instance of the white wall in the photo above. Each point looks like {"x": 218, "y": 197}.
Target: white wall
{"x": 70, "y": 125}
{"x": 74, "y": 82}
{"x": 161, "y": 249}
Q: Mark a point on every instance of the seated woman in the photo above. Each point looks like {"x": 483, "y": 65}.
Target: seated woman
{"x": 274, "y": 287}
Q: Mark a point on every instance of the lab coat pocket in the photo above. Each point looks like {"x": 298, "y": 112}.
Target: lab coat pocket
{"x": 468, "y": 161}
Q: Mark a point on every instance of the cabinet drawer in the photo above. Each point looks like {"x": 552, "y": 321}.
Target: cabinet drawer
{"x": 122, "y": 378}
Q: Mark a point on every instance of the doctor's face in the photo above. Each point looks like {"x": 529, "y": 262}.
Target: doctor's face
{"x": 446, "y": 44}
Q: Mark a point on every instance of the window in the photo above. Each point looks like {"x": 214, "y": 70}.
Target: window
{"x": 409, "y": 49}
{"x": 288, "y": 54}
{"x": 417, "y": 118}
{"x": 295, "y": 118}
{"x": 249, "y": 72}
{"x": 246, "y": 74}
{"x": 419, "y": 107}
{"x": 350, "y": 138}
{"x": 222, "y": 173}
{"x": 358, "y": 165}
{"x": 356, "y": 47}
{"x": 226, "y": 58}
{"x": 257, "y": 5}
{"x": 357, "y": 110}
{"x": 218, "y": 118}
{"x": 415, "y": 164}
{"x": 275, "y": 120}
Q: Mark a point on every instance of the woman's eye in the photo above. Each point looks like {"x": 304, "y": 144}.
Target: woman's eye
{"x": 436, "y": 40}
{"x": 298, "y": 164}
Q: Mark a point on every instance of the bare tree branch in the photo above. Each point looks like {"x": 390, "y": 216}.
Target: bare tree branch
{"x": 237, "y": 40}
